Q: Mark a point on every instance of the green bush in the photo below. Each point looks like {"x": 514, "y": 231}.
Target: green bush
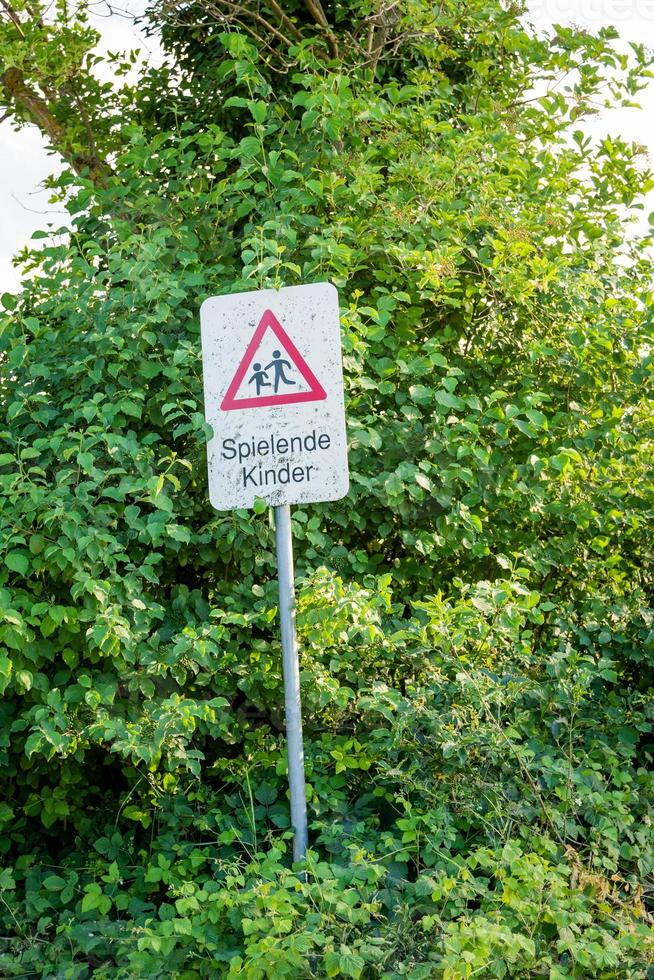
{"x": 475, "y": 618}
{"x": 487, "y": 822}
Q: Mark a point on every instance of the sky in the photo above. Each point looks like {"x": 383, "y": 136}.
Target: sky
{"x": 24, "y": 162}
{"x": 634, "y": 21}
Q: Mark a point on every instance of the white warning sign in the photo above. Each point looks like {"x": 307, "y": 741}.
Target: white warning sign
{"x": 273, "y": 388}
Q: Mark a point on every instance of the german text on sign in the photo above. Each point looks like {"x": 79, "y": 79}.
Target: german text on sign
{"x": 274, "y": 396}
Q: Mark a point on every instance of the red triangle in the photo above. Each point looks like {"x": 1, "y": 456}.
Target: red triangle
{"x": 316, "y": 392}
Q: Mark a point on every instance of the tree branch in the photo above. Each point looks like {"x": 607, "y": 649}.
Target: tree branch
{"x": 25, "y": 98}
{"x": 238, "y": 11}
{"x": 379, "y": 26}
{"x": 315, "y": 8}
{"x": 37, "y": 111}
{"x": 13, "y": 17}
{"x": 285, "y": 19}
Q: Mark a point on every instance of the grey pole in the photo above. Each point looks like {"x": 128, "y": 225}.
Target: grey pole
{"x": 291, "y": 666}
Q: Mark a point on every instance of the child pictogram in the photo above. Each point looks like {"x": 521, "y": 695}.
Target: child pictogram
{"x": 287, "y": 375}
{"x": 278, "y": 365}
{"x": 259, "y": 378}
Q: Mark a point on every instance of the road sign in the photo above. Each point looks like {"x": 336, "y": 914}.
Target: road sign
{"x": 273, "y": 389}
{"x": 273, "y": 395}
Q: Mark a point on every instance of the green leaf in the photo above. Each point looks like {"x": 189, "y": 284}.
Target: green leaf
{"x": 351, "y": 965}
{"x": 423, "y": 395}
{"x": 91, "y": 901}
{"x": 332, "y": 963}
{"x": 179, "y": 533}
{"x": 525, "y": 428}
{"x": 266, "y": 793}
{"x": 539, "y": 420}
{"x": 36, "y": 543}
{"x": 448, "y": 400}
{"x": 259, "y": 111}
{"x": 250, "y": 146}
{"x": 17, "y": 561}
{"x": 54, "y": 883}
{"x": 25, "y": 679}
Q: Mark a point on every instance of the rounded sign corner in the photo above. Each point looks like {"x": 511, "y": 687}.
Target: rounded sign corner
{"x": 218, "y": 504}
{"x": 343, "y": 490}
{"x": 206, "y": 305}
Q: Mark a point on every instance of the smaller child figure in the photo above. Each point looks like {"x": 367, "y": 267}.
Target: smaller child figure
{"x": 258, "y": 378}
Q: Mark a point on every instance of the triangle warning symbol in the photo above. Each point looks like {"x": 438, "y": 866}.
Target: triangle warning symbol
{"x": 271, "y": 377}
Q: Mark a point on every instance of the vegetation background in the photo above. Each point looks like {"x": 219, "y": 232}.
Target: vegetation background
{"x": 475, "y": 618}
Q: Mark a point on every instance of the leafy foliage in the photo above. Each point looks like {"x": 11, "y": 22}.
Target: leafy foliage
{"x": 475, "y": 619}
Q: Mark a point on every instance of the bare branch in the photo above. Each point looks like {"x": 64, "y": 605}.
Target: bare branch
{"x": 38, "y": 111}
{"x": 13, "y": 17}
{"x": 26, "y": 98}
{"x": 315, "y": 8}
{"x": 239, "y": 13}
{"x": 285, "y": 19}
{"x": 35, "y": 14}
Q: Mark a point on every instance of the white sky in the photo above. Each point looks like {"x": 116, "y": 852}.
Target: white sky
{"x": 24, "y": 162}
{"x": 634, "y": 20}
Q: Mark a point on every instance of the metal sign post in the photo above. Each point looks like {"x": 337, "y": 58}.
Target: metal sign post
{"x": 273, "y": 394}
{"x": 291, "y": 667}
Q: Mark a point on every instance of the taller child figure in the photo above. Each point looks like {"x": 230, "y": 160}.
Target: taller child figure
{"x": 278, "y": 365}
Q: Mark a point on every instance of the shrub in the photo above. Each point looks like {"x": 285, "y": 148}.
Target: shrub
{"x": 475, "y": 618}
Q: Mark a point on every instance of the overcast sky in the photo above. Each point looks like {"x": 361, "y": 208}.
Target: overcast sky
{"x": 24, "y": 162}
